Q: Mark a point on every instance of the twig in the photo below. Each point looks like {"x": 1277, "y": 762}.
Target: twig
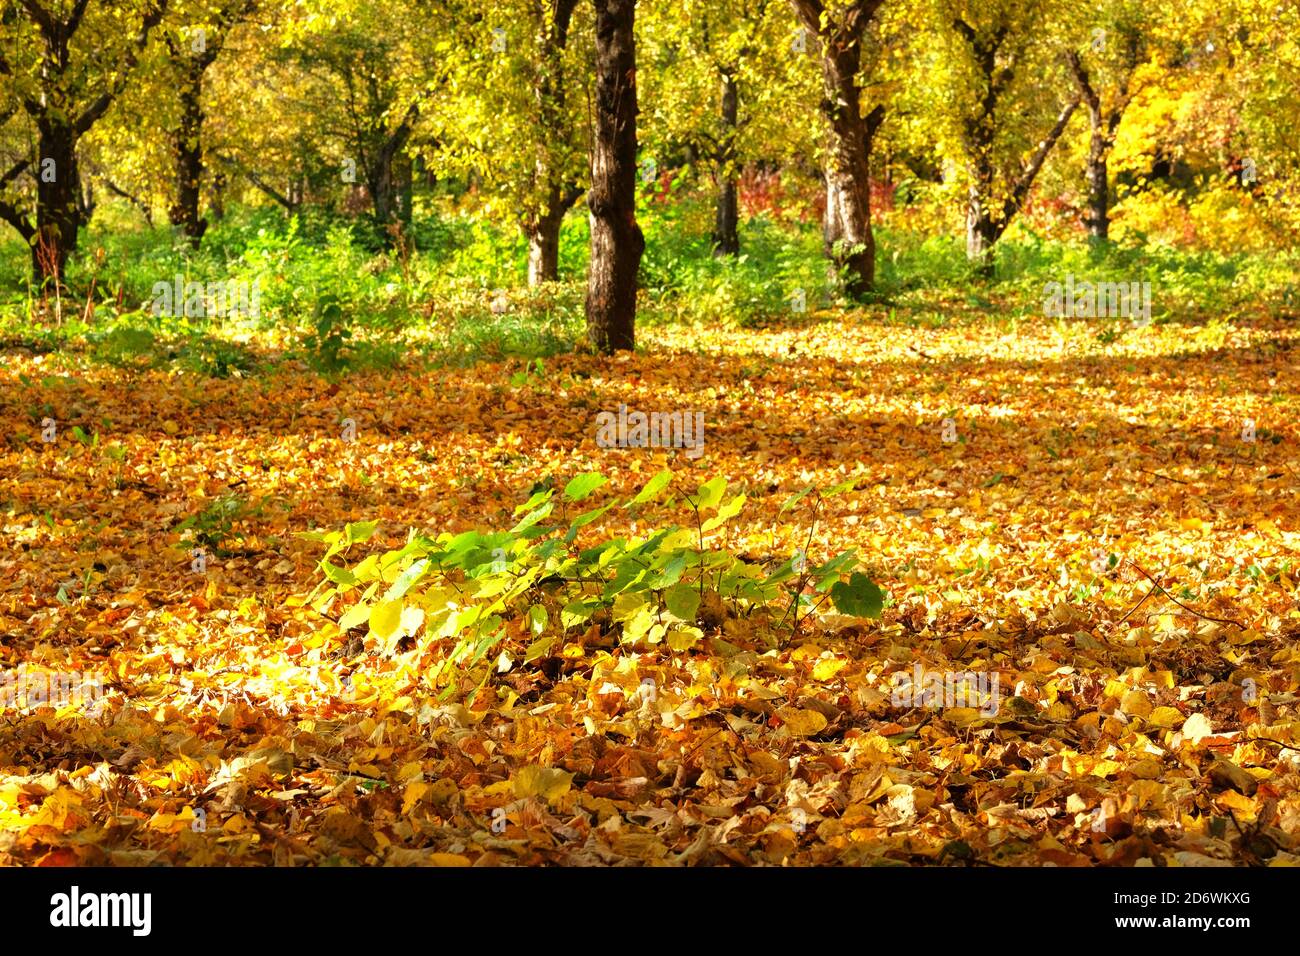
{"x": 1135, "y": 607}
{"x": 1157, "y": 474}
{"x": 1270, "y": 740}
{"x": 1207, "y": 617}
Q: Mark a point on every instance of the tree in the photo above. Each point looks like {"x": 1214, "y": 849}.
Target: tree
{"x": 190, "y": 56}
{"x": 551, "y": 184}
{"x": 839, "y": 30}
{"x": 1104, "y": 74}
{"x": 616, "y": 239}
{"x": 365, "y": 81}
{"x": 65, "y": 68}
{"x": 515, "y": 122}
{"x": 300, "y": 154}
{"x": 994, "y": 62}
{"x": 1257, "y": 68}
{"x": 717, "y": 90}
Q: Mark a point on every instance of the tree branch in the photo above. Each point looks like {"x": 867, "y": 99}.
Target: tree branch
{"x": 97, "y": 109}
{"x": 1082, "y": 80}
{"x": 11, "y": 215}
{"x": 14, "y": 172}
{"x": 1020, "y": 189}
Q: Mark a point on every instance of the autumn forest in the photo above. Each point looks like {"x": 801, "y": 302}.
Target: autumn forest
{"x": 649, "y": 433}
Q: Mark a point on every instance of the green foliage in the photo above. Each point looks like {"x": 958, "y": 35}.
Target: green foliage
{"x": 218, "y": 521}
{"x": 469, "y": 595}
{"x": 329, "y": 335}
{"x": 457, "y": 299}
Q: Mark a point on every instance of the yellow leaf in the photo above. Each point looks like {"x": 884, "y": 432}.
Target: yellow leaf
{"x": 802, "y": 723}
{"x": 412, "y": 618}
{"x": 1136, "y": 704}
{"x": 1232, "y": 800}
{"x": 1164, "y": 717}
{"x": 828, "y": 667}
{"x": 442, "y": 790}
{"x": 385, "y": 619}
{"x": 414, "y": 793}
{"x": 545, "y": 782}
{"x": 963, "y": 716}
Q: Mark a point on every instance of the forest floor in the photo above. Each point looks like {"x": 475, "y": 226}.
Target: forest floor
{"x": 1085, "y": 463}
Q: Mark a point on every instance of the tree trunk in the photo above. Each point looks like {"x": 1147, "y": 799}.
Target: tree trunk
{"x": 385, "y": 180}
{"x": 1096, "y": 217}
{"x": 981, "y": 227}
{"x": 382, "y": 193}
{"x": 850, "y": 244}
{"x": 616, "y": 239}
{"x": 989, "y": 210}
{"x": 58, "y": 183}
{"x": 848, "y": 199}
{"x": 544, "y": 243}
{"x": 187, "y": 151}
{"x": 217, "y": 204}
{"x": 830, "y": 221}
{"x": 86, "y": 202}
{"x": 726, "y": 220}
{"x": 405, "y": 190}
{"x": 58, "y": 197}
{"x": 542, "y": 222}
{"x": 981, "y": 236}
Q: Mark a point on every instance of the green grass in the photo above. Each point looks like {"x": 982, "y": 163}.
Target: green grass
{"x": 461, "y": 297}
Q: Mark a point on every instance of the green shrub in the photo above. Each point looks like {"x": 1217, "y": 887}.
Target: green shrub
{"x": 467, "y": 595}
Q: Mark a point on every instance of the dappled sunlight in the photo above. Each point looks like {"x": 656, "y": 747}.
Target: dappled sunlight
{"x": 1078, "y": 475}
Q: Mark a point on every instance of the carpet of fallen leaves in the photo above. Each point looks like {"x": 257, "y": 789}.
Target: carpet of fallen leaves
{"x": 1138, "y": 725}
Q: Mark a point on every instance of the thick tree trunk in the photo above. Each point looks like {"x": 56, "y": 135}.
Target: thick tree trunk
{"x": 830, "y": 220}
{"x": 382, "y": 192}
{"x": 58, "y": 197}
{"x": 1096, "y": 215}
{"x": 982, "y": 225}
{"x": 58, "y": 185}
{"x": 616, "y": 239}
{"x": 852, "y": 246}
{"x": 187, "y": 151}
{"x": 726, "y": 220}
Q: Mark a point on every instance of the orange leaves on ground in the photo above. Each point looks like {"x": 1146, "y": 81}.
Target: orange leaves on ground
{"x": 1088, "y": 655}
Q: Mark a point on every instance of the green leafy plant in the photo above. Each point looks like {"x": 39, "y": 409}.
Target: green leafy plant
{"x": 327, "y": 341}
{"x": 452, "y": 600}
{"x": 216, "y": 523}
